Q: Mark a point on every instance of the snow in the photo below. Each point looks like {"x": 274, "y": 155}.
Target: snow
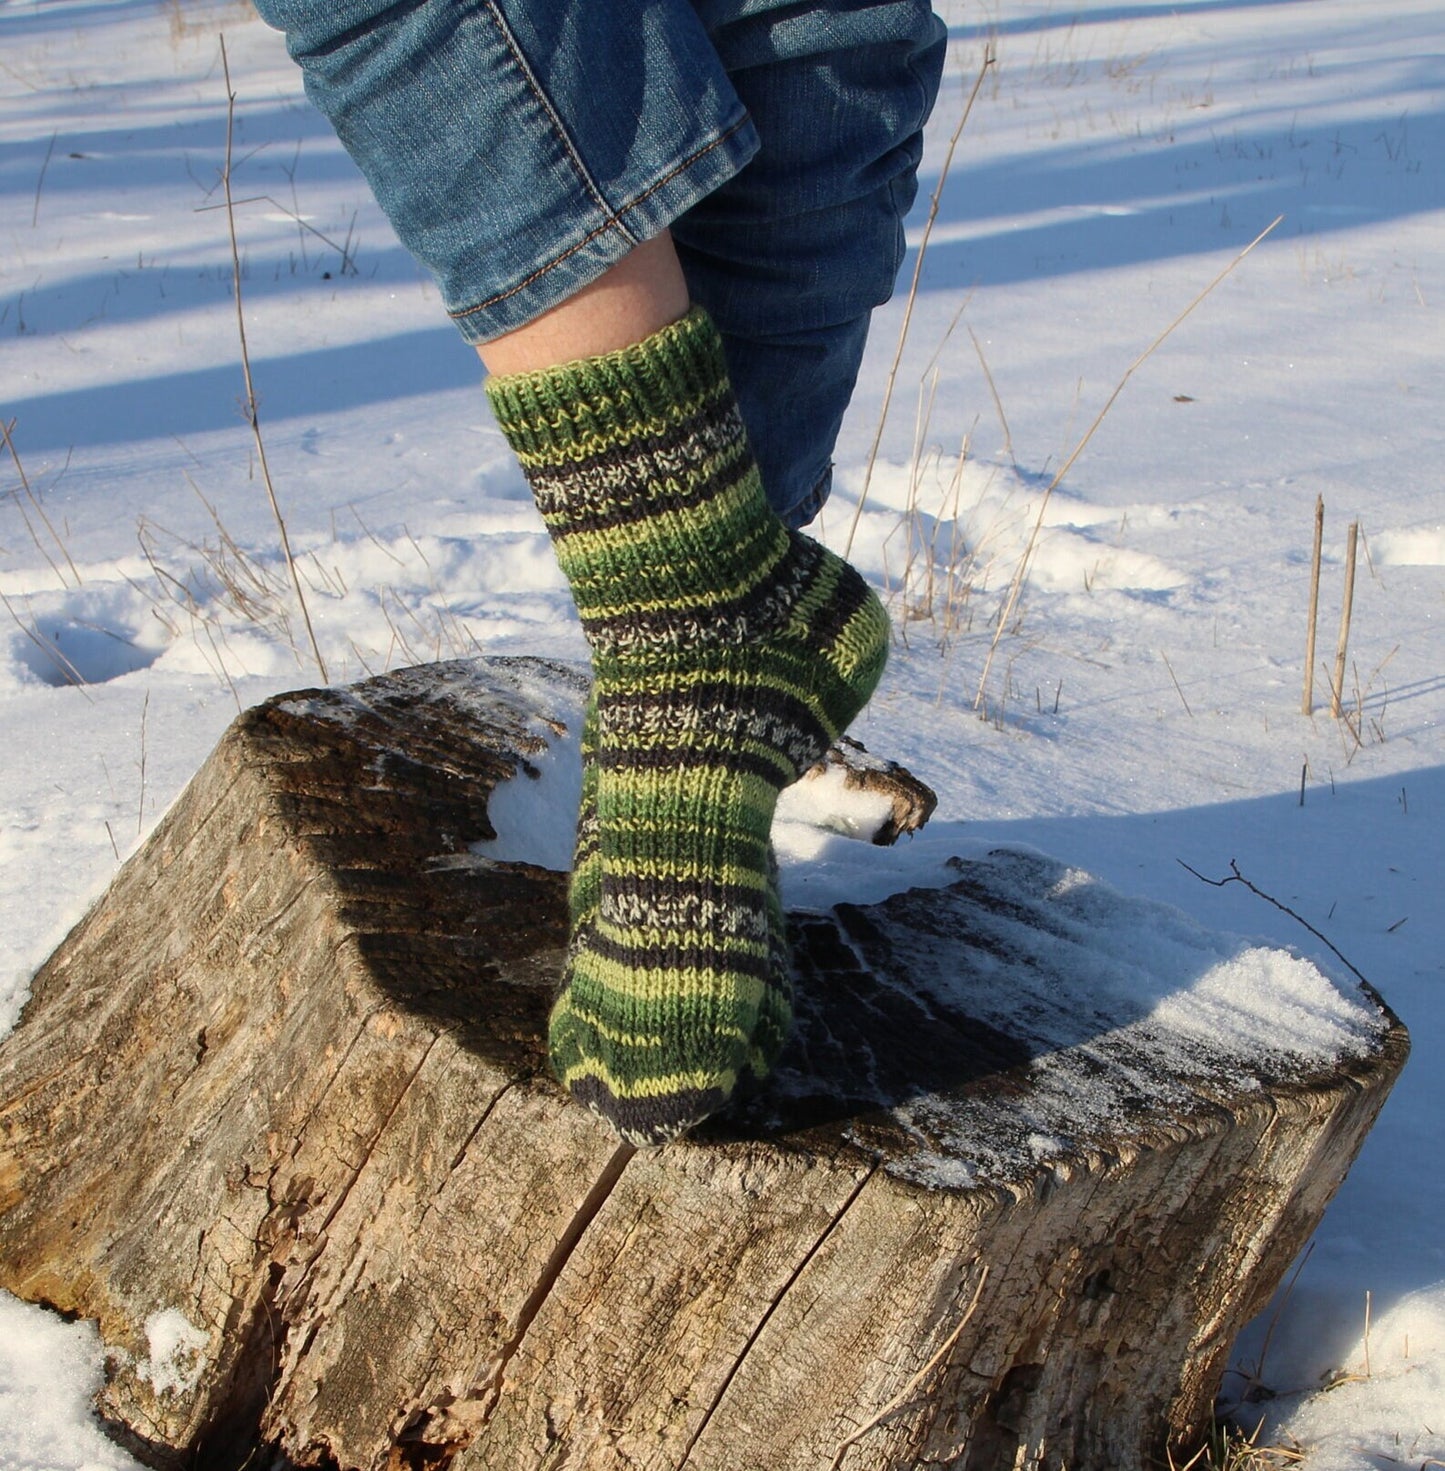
{"x": 49, "y": 1372}
{"x": 1388, "y": 1384}
{"x": 827, "y": 802}
{"x": 176, "y": 1347}
{"x": 1140, "y": 710}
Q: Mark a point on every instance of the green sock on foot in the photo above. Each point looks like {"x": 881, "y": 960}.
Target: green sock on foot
{"x": 775, "y": 1014}
{"x": 728, "y": 654}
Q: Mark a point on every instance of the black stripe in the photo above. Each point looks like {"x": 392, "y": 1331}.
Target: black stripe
{"x": 649, "y": 1121}
{"x": 676, "y": 957}
{"x": 755, "y": 614}
{"x": 849, "y": 597}
{"x": 571, "y": 498}
{"x": 691, "y": 758}
{"x": 772, "y": 717}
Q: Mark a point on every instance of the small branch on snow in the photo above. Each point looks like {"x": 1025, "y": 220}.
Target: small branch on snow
{"x": 1235, "y": 877}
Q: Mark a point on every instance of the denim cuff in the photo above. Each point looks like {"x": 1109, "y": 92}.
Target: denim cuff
{"x": 521, "y": 147}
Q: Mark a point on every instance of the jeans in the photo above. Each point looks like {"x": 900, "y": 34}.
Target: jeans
{"x": 521, "y": 147}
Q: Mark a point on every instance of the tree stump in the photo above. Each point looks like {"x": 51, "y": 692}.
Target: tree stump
{"x": 278, "y": 1116}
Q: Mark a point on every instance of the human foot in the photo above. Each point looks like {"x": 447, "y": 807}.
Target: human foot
{"x": 729, "y": 653}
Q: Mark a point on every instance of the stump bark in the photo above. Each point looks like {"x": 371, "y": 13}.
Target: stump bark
{"x": 278, "y": 1117}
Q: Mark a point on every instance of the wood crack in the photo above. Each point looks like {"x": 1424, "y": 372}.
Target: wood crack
{"x": 772, "y": 1308}
{"x": 561, "y": 1253}
{"x": 380, "y": 1129}
{"x": 466, "y": 1144}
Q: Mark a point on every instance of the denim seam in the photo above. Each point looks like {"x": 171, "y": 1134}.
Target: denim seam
{"x": 563, "y": 137}
{"x": 613, "y": 223}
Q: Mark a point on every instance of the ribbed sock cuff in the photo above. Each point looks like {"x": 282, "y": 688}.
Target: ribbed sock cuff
{"x": 568, "y": 411}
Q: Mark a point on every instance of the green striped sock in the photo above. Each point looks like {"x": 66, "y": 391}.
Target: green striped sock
{"x": 775, "y": 1014}
{"x": 728, "y": 653}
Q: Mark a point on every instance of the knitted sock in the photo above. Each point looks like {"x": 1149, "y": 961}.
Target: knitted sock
{"x": 728, "y": 653}
{"x": 584, "y": 897}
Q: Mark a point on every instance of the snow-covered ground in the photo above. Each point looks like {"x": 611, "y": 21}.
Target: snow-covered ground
{"x": 1141, "y": 708}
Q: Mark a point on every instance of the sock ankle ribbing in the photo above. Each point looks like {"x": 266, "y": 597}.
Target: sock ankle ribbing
{"x": 775, "y": 1012}
{"x": 728, "y": 653}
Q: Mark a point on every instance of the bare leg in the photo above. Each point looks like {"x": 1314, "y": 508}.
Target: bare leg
{"x": 644, "y": 292}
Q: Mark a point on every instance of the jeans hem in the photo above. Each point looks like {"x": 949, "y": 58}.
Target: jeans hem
{"x": 645, "y": 215}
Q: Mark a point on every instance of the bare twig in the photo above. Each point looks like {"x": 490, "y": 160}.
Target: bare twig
{"x": 1235, "y": 877}
{"x": 1020, "y": 572}
{"x": 907, "y": 1392}
{"x": 987, "y": 62}
{"x": 252, "y": 414}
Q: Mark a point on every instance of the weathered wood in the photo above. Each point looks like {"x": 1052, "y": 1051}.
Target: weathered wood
{"x": 904, "y": 804}
{"x": 277, "y": 1116}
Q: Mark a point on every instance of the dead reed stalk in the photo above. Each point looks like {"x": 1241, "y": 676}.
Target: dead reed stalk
{"x": 40, "y": 182}
{"x": 51, "y": 650}
{"x": 1307, "y": 704}
{"x": 253, "y": 417}
{"x": 140, "y": 813}
{"x": 1008, "y": 439}
{"x": 989, "y": 57}
{"x": 1178, "y": 689}
{"x": 1021, "y": 570}
{"x": 1346, "y": 611}
{"x": 7, "y": 432}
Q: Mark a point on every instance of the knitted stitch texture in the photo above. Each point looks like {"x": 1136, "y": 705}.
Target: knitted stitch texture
{"x": 775, "y": 1013}
{"x": 728, "y": 653}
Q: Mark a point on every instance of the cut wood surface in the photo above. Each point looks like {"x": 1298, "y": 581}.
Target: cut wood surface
{"x": 278, "y": 1117}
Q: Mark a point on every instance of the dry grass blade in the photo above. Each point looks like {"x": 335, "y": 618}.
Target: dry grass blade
{"x": 68, "y": 671}
{"x": 7, "y": 432}
{"x": 1021, "y": 570}
{"x": 1307, "y": 701}
{"x": 252, "y": 413}
{"x": 989, "y": 58}
{"x": 1177, "y": 688}
{"x": 140, "y": 813}
{"x": 1346, "y": 610}
{"x": 1230, "y": 1449}
{"x": 40, "y": 182}
{"x": 1279, "y": 1311}
{"x": 1008, "y": 439}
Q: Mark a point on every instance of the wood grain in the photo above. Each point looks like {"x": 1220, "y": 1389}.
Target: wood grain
{"x": 287, "y": 1080}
